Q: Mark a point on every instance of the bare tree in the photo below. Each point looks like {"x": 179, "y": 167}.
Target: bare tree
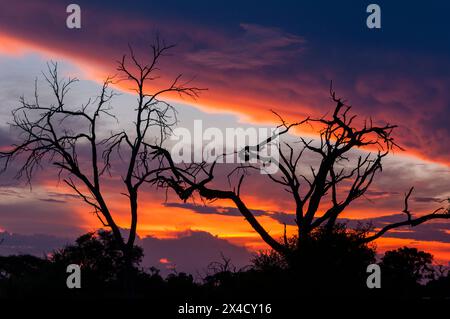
{"x": 83, "y": 153}
{"x": 333, "y": 184}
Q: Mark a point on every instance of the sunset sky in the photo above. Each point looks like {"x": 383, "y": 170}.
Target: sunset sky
{"x": 253, "y": 56}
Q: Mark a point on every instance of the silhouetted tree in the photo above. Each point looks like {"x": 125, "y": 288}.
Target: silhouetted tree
{"x": 325, "y": 263}
{"x": 103, "y": 268}
{"x": 25, "y": 275}
{"x": 80, "y": 152}
{"x": 100, "y": 258}
{"x": 439, "y": 286}
{"x": 405, "y": 269}
{"x": 333, "y": 184}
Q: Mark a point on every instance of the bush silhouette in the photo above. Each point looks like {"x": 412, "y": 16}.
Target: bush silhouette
{"x": 405, "y": 269}
{"x": 324, "y": 264}
{"x": 102, "y": 261}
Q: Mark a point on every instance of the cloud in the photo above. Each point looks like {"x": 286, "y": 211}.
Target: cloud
{"x": 52, "y": 200}
{"x": 53, "y": 197}
{"x": 37, "y": 245}
{"x": 5, "y": 139}
{"x": 29, "y": 214}
{"x": 219, "y": 210}
{"x": 281, "y": 217}
{"x": 191, "y": 251}
{"x": 431, "y": 231}
{"x": 427, "y": 199}
{"x": 377, "y": 194}
{"x": 418, "y": 103}
{"x": 267, "y": 67}
{"x": 258, "y": 46}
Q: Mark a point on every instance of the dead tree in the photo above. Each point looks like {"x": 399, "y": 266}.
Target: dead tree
{"x": 84, "y": 154}
{"x": 333, "y": 184}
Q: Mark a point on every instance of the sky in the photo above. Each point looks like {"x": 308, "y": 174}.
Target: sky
{"x": 253, "y": 57}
